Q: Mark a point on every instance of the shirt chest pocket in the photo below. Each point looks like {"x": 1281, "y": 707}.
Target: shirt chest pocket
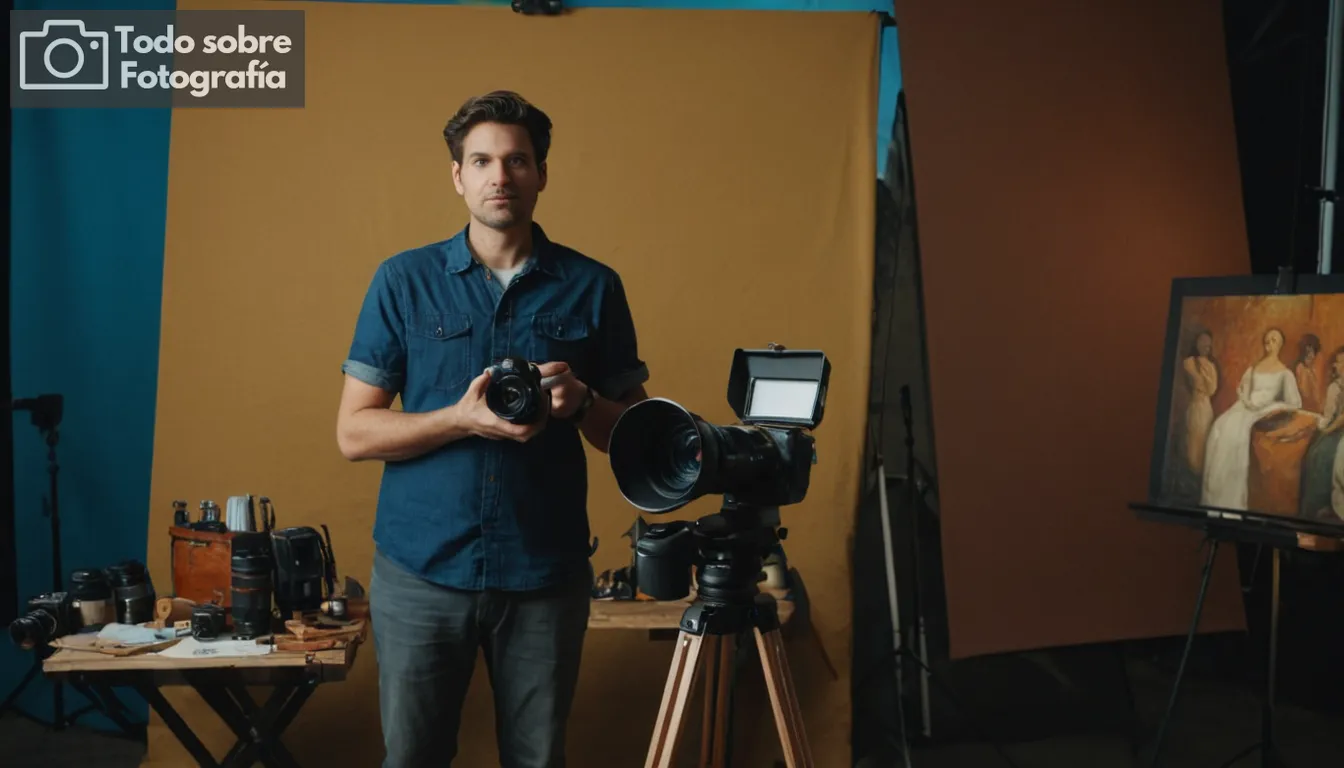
{"x": 441, "y": 350}
{"x": 558, "y": 337}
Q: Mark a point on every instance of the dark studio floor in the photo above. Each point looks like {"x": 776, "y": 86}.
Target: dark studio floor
{"x": 1094, "y": 706}
{"x": 1215, "y": 721}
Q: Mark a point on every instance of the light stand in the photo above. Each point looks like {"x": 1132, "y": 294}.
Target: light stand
{"x": 46, "y": 413}
{"x": 893, "y": 604}
{"x": 899, "y": 646}
{"x": 913, "y": 500}
{"x": 1334, "y": 55}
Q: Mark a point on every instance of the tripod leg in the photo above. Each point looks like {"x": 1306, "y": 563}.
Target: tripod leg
{"x": 784, "y": 699}
{"x": 672, "y": 711}
{"x": 718, "y": 678}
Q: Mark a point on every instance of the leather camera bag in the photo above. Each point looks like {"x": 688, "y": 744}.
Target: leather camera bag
{"x": 202, "y": 562}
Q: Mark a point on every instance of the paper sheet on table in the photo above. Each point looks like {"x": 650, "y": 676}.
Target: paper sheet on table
{"x": 191, "y": 648}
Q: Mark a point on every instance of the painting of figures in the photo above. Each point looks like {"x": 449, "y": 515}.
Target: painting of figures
{"x": 1252, "y": 402}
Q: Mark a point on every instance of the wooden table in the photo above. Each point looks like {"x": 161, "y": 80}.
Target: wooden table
{"x": 222, "y": 683}
{"x": 661, "y": 614}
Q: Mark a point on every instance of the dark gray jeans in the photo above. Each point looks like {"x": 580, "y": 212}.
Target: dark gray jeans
{"x": 426, "y": 638}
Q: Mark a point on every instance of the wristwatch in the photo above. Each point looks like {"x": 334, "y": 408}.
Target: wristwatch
{"x": 582, "y": 410}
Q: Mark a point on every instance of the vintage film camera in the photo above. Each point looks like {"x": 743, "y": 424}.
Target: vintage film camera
{"x": 664, "y": 457}
{"x": 514, "y": 393}
{"x": 120, "y": 593}
{"x": 49, "y": 615}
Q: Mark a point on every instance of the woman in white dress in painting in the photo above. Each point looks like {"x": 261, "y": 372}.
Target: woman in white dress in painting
{"x": 1266, "y": 387}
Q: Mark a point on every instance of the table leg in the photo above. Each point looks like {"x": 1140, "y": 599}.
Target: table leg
{"x": 176, "y": 724}
{"x": 258, "y": 728}
{"x": 104, "y": 700}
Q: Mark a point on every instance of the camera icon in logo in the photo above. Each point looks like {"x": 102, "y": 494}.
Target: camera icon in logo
{"x": 64, "y": 56}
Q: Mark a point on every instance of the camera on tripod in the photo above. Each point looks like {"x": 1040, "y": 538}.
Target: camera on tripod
{"x": 664, "y": 457}
{"x": 514, "y": 393}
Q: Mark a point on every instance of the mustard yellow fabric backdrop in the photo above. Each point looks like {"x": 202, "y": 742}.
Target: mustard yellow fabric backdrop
{"x": 721, "y": 161}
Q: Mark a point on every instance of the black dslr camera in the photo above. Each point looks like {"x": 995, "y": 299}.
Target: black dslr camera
{"x": 664, "y": 457}
{"x": 514, "y": 392}
{"x": 50, "y": 615}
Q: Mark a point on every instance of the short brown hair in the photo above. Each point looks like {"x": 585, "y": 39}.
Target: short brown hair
{"x": 504, "y": 107}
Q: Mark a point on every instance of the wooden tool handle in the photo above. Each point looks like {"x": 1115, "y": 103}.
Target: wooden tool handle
{"x": 173, "y": 609}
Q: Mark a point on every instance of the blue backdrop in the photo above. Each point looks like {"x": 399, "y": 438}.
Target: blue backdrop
{"x": 89, "y": 195}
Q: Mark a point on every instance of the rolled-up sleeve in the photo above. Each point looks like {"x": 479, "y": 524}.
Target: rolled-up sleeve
{"x": 378, "y": 351}
{"x": 619, "y": 367}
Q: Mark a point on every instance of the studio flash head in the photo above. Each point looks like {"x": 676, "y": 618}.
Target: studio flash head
{"x": 514, "y": 393}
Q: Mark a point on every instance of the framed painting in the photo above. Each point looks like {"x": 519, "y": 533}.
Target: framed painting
{"x": 1250, "y": 413}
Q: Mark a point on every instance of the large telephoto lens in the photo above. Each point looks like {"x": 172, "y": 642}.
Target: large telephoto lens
{"x": 664, "y": 456}
{"x": 251, "y": 593}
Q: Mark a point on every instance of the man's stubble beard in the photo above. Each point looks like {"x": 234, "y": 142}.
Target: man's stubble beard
{"x": 498, "y": 219}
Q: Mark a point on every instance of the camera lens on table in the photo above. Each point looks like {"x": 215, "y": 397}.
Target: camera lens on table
{"x": 92, "y": 596}
{"x": 251, "y": 600}
{"x": 132, "y": 592}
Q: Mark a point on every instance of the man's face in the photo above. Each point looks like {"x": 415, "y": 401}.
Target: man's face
{"x": 498, "y": 177}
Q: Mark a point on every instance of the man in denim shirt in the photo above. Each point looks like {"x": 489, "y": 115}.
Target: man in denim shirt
{"x": 481, "y": 534}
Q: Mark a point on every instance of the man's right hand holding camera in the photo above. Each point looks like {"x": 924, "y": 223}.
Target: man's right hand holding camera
{"x": 367, "y": 427}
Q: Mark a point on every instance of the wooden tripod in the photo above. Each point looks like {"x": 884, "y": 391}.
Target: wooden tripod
{"x": 718, "y": 626}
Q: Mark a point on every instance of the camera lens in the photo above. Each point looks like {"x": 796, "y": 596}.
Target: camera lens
{"x": 674, "y": 473}
{"x": 94, "y": 597}
{"x": 34, "y": 629}
{"x": 251, "y": 603}
{"x": 514, "y": 393}
{"x": 132, "y": 593}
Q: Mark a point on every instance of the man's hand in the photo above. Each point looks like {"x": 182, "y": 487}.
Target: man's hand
{"x": 476, "y": 417}
{"x": 567, "y": 392}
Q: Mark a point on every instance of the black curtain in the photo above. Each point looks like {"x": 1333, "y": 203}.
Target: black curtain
{"x": 1276, "y": 53}
{"x": 8, "y": 552}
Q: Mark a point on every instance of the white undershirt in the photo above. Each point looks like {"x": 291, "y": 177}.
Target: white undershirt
{"x": 505, "y": 276}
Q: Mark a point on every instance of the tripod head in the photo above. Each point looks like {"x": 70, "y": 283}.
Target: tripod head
{"x": 727, "y": 550}
{"x": 732, "y": 545}
{"x": 46, "y": 412}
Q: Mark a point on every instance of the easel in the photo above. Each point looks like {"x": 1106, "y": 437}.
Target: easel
{"x": 1235, "y": 527}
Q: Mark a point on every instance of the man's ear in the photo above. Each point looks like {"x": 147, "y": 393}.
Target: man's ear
{"x": 541, "y": 174}
{"x": 457, "y": 178}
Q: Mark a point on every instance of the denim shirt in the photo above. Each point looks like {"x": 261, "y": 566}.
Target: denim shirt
{"x": 477, "y": 513}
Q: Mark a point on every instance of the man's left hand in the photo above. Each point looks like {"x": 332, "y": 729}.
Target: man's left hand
{"x": 567, "y": 392}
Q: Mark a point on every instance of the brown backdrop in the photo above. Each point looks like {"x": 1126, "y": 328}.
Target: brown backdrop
{"x": 1070, "y": 159}
{"x": 731, "y": 187}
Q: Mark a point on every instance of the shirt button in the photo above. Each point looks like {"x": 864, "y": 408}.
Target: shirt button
{"x": 438, "y": 331}
{"x": 491, "y": 478}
